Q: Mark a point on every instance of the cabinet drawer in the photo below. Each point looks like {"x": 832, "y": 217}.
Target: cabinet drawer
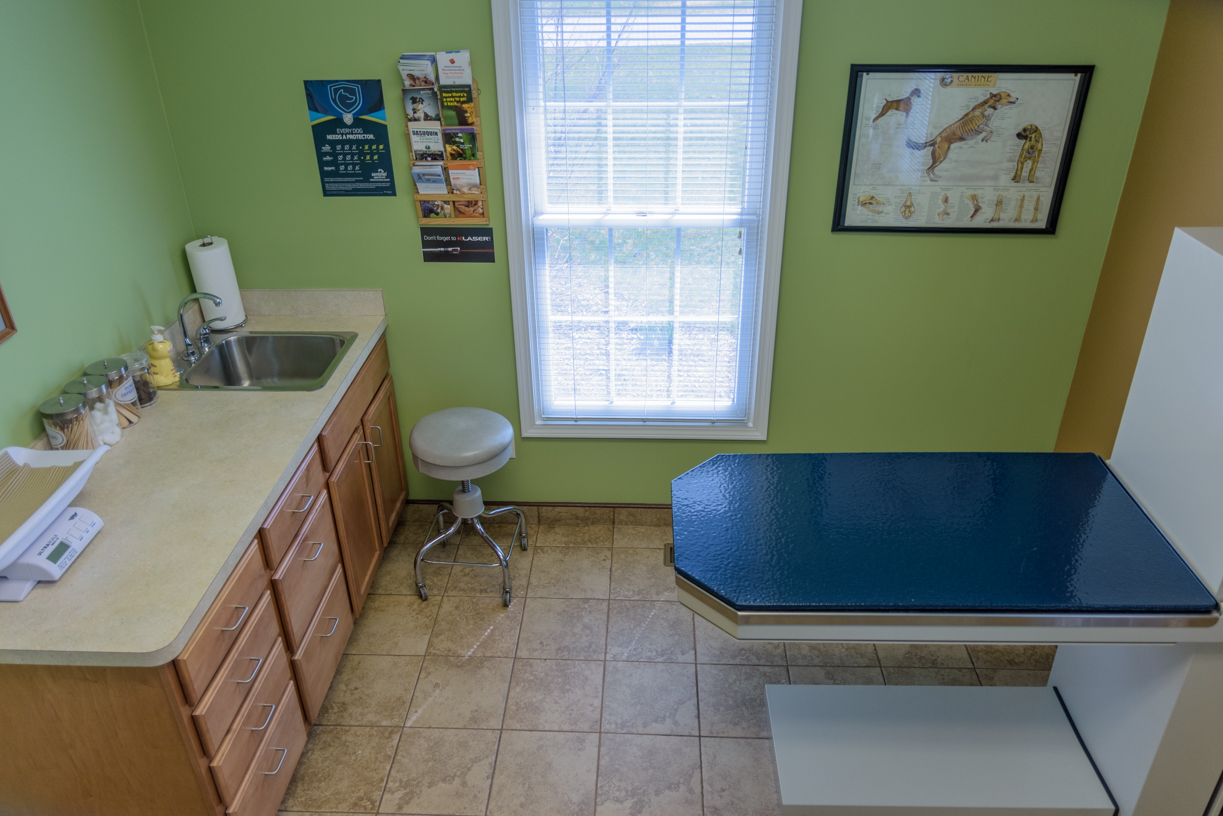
{"x": 301, "y": 580}
{"x": 269, "y": 774}
{"x": 254, "y": 718}
{"x": 315, "y": 661}
{"x": 347, "y": 415}
{"x": 294, "y": 506}
{"x": 222, "y": 624}
{"x": 236, "y": 675}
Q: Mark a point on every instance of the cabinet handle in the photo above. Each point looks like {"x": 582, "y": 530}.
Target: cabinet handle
{"x": 282, "y": 762}
{"x": 333, "y": 626}
{"x": 242, "y": 617}
{"x": 309, "y": 501}
{"x": 380, "y": 440}
{"x": 258, "y": 663}
{"x": 269, "y": 719}
{"x": 370, "y": 460}
{"x": 317, "y": 552}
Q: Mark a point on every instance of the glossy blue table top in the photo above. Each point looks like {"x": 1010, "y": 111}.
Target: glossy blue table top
{"x": 932, "y": 532}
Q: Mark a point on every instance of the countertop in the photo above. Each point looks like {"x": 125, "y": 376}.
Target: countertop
{"x": 181, "y": 497}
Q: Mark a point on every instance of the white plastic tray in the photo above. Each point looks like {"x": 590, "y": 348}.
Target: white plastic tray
{"x": 20, "y": 540}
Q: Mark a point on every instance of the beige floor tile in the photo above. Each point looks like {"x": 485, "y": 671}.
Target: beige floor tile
{"x": 641, "y": 575}
{"x": 643, "y": 516}
{"x": 649, "y": 776}
{"x": 476, "y": 626}
{"x": 555, "y": 695}
{"x": 415, "y": 513}
{"x": 831, "y": 654}
{"x": 715, "y": 646}
{"x": 370, "y": 690}
{"x": 732, "y": 701}
{"x": 739, "y": 777}
{"x": 545, "y": 773}
{"x": 575, "y": 515}
{"x": 441, "y": 771}
{"x": 342, "y": 769}
{"x": 460, "y": 692}
{"x": 650, "y": 631}
{"x": 393, "y": 625}
{"x": 487, "y": 580}
{"x": 1013, "y": 677}
{"x": 923, "y": 655}
{"x": 1013, "y": 657}
{"x": 563, "y": 629}
{"x": 836, "y": 676}
{"x": 397, "y": 573}
{"x": 907, "y": 676}
{"x": 650, "y": 698}
{"x": 570, "y": 535}
{"x": 570, "y": 572}
{"x": 654, "y": 538}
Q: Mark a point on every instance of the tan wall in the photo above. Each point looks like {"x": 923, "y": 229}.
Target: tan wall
{"x": 1175, "y": 180}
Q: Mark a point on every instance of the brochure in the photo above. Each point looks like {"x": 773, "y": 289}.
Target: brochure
{"x": 426, "y": 139}
{"x": 420, "y": 105}
{"x": 453, "y": 67}
{"x": 465, "y": 177}
{"x": 461, "y": 144}
{"x": 458, "y": 105}
{"x": 418, "y": 70}
{"x": 429, "y": 178}
{"x": 436, "y": 209}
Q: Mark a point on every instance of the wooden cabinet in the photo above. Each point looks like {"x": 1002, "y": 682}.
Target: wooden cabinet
{"x": 356, "y": 518}
{"x": 293, "y": 509}
{"x": 302, "y": 577}
{"x": 381, "y": 427}
{"x": 319, "y": 655}
{"x": 268, "y": 777}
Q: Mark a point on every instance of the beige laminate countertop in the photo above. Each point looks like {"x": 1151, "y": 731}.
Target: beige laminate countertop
{"x": 181, "y": 497}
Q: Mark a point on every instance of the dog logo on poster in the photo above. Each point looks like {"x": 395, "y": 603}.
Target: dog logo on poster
{"x": 346, "y": 96}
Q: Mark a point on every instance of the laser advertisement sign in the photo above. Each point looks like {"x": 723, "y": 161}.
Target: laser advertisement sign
{"x": 348, "y": 119}
{"x": 457, "y": 244}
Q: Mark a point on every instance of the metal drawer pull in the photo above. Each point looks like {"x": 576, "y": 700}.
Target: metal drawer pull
{"x": 317, "y": 552}
{"x": 269, "y": 719}
{"x": 282, "y": 762}
{"x": 309, "y": 501}
{"x": 379, "y": 430}
{"x": 333, "y": 626}
{"x": 258, "y": 663}
{"x": 242, "y": 617}
{"x": 369, "y": 461}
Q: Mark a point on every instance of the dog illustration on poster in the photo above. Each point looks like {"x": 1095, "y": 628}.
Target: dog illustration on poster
{"x": 969, "y": 126}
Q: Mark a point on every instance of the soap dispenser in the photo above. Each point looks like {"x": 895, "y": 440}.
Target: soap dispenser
{"x": 161, "y": 359}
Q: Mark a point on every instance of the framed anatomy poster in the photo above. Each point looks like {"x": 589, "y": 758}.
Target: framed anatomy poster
{"x": 958, "y": 148}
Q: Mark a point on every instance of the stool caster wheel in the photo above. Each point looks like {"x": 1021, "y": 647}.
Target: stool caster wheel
{"x": 424, "y": 593}
{"x": 522, "y": 541}
{"x": 505, "y": 597}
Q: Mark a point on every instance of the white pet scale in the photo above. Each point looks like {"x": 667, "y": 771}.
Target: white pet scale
{"x": 52, "y": 538}
{"x": 49, "y": 557}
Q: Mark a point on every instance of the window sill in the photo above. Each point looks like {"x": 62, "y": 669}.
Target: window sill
{"x": 645, "y": 430}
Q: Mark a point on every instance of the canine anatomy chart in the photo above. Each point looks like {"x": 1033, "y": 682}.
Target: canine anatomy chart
{"x": 954, "y": 140}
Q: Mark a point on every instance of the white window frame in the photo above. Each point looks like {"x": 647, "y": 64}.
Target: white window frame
{"x": 519, "y": 244}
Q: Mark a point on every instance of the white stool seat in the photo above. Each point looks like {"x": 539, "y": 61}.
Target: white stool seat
{"x": 461, "y": 443}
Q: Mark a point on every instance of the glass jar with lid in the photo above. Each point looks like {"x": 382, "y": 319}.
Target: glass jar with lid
{"x": 114, "y": 369}
{"x": 100, "y": 402}
{"x": 138, "y": 367}
{"x": 66, "y": 420}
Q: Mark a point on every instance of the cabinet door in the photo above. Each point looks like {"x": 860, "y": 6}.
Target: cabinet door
{"x": 356, "y": 518}
{"x": 381, "y": 426}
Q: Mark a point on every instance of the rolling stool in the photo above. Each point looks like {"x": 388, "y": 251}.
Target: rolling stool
{"x": 461, "y": 444}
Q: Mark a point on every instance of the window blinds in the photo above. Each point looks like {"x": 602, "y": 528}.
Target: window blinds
{"x": 646, "y": 128}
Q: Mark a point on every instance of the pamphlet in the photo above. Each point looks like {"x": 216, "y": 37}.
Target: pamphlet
{"x": 426, "y": 139}
{"x": 461, "y": 144}
{"x": 458, "y": 105}
{"x": 465, "y": 177}
{"x": 420, "y": 105}
{"x": 453, "y": 67}
{"x": 418, "y": 70}
{"x": 429, "y": 178}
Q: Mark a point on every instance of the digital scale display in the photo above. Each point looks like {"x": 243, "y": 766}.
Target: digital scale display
{"x": 56, "y": 554}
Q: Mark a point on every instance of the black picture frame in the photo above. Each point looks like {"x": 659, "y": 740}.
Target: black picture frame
{"x": 849, "y": 140}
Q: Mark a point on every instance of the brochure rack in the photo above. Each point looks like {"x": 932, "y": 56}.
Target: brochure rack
{"x": 482, "y": 195}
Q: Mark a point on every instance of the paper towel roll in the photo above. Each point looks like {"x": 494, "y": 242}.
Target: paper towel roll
{"x": 212, "y": 268}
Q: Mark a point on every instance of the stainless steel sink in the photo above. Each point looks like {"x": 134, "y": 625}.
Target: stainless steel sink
{"x": 269, "y": 361}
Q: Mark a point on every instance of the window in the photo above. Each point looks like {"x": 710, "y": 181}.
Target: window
{"x": 645, "y": 166}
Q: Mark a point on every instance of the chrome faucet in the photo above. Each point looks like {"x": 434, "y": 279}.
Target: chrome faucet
{"x": 203, "y": 335}
{"x": 189, "y": 353}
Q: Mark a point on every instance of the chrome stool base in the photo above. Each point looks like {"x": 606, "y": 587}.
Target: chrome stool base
{"x": 503, "y": 556}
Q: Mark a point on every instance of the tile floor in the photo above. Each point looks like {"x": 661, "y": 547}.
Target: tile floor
{"x": 595, "y": 693}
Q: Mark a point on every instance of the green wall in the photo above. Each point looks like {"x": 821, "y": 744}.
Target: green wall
{"x": 92, "y": 212}
{"x": 885, "y": 342}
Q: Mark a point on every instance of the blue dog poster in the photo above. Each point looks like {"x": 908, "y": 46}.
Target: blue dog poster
{"x": 348, "y": 118}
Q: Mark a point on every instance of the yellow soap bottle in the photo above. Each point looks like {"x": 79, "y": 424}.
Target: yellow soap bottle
{"x": 161, "y": 359}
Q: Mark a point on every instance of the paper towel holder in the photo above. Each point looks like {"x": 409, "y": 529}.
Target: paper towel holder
{"x": 206, "y": 241}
